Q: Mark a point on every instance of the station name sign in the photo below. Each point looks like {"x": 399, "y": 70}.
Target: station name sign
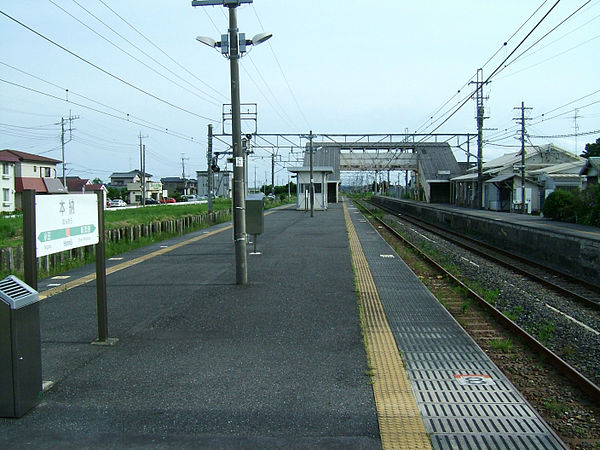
{"x": 63, "y": 222}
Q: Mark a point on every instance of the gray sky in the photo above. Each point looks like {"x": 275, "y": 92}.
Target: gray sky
{"x": 333, "y": 66}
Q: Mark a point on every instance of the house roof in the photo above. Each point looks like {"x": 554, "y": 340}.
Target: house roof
{"x": 76, "y": 183}
{"x": 23, "y": 156}
{"x": 326, "y": 169}
{"x": 510, "y": 159}
{"x": 130, "y": 174}
{"x": 23, "y": 183}
{"x": 573, "y": 168}
{"x": 591, "y": 167}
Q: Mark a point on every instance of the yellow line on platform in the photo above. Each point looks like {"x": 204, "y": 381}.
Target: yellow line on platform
{"x": 400, "y": 423}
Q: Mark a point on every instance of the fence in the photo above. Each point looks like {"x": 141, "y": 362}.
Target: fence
{"x": 11, "y": 258}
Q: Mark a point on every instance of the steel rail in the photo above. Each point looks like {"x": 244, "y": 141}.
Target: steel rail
{"x": 562, "y": 366}
{"x": 470, "y": 243}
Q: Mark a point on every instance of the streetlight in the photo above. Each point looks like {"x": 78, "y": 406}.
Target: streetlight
{"x": 233, "y": 46}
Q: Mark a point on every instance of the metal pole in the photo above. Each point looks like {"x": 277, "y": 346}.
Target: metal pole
{"x": 101, "y": 273}
{"x": 209, "y": 174}
{"x": 312, "y": 186}
{"x": 239, "y": 202}
{"x": 62, "y": 145}
{"x": 30, "y": 262}
{"x": 523, "y": 210}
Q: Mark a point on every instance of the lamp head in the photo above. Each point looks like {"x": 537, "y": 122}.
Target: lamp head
{"x": 260, "y": 38}
{"x": 207, "y": 41}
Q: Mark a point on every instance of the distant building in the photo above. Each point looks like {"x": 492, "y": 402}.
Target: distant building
{"x": 132, "y": 182}
{"x": 22, "y": 171}
{"x": 591, "y": 170}
{"x": 222, "y": 186}
{"x": 177, "y": 185}
{"x": 547, "y": 168}
{"x": 76, "y": 185}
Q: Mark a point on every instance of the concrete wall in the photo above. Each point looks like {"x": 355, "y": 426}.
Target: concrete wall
{"x": 579, "y": 256}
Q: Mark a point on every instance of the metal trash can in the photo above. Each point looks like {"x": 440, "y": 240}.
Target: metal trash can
{"x": 255, "y": 207}
{"x": 20, "y": 348}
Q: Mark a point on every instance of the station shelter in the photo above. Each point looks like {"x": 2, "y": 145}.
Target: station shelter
{"x": 320, "y": 183}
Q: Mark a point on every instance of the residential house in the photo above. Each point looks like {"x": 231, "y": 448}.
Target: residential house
{"x": 76, "y": 185}
{"x": 591, "y": 170}
{"x": 21, "y": 171}
{"x": 134, "y": 181}
{"x": 547, "y": 168}
{"x": 177, "y": 185}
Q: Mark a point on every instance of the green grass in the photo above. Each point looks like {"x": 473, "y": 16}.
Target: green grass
{"x": 502, "y": 345}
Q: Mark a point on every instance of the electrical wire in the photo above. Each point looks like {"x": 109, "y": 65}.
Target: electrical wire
{"x": 162, "y": 51}
{"x": 129, "y": 54}
{"x": 155, "y": 128}
{"x": 106, "y": 72}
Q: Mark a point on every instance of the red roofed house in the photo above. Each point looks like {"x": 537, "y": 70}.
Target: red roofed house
{"x": 20, "y": 171}
{"x": 76, "y": 185}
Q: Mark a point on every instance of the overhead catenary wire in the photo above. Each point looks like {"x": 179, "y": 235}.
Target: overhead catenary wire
{"x": 106, "y": 72}
{"x": 487, "y": 80}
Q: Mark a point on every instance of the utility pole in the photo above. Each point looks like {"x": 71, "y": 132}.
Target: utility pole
{"x": 480, "y": 117}
{"x": 143, "y": 169}
{"x": 209, "y": 173}
{"x": 312, "y": 186}
{"x": 185, "y": 182}
{"x": 521, "y": 121}
{"x": 273, "y": 174}
{"x": 63, "y": 142}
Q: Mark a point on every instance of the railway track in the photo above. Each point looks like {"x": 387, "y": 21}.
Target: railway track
{"x": 576, "y": 289}
{"x": 586, "y": 385}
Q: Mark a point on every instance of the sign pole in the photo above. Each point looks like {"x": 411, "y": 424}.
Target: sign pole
{"x": 101, "y": 304}
{"x": 29, "y": 238}
{"x": 101, "y": 273}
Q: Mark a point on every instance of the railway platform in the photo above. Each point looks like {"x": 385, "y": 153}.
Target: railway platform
{"x": 279, "y": 363}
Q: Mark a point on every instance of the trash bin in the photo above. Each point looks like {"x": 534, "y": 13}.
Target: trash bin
{"x": 255, "y": 207}
{"x": 20, "y": 348}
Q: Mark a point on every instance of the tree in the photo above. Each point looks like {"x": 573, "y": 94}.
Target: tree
{"x": 97, "y": 181}
{"x": 592, "y": 149}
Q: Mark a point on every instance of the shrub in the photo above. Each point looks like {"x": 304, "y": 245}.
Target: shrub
{"x": 565, "y": 206}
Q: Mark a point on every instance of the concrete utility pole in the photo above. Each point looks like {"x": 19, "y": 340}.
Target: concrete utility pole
{"x": 273, "y": 174}
{"x": 312, "y": 185}
{"x": 480, "y": 118}
{"x": 209, "y": 173}
{"x": 143, "y": 170}
{"x": 63, "y": 142}
{"x": 521, "y": 121}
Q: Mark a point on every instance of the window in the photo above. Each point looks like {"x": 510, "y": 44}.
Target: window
{"x": 4, "y": 168}
{"x": 46, "y": 171}
{"x": 6, "y": 195}
{"x": 35, "y": 168}
{"x": 305, "y": 187}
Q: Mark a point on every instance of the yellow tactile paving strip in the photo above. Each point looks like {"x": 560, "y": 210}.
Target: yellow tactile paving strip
{"x": 400, "y": 423}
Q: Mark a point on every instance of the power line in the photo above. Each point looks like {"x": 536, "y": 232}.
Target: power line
{"x": 106, "y": 72}
{"x": 480, "y": 85}
{"x": 282, "y": 72}
{"x": 155, "y": 128}
{"x": 137, "y": 48}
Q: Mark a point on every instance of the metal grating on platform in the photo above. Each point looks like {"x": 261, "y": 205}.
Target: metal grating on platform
{"x": 464, "y": 399}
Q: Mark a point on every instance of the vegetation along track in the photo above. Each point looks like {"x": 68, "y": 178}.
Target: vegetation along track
{"x": 528, "y": 310}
